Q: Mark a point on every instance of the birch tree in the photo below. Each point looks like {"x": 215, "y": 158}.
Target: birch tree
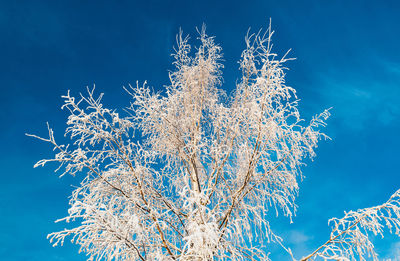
{"x": 192, "y": 173}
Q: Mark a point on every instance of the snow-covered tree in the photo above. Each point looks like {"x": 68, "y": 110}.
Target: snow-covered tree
{"x": 192, "y": 173}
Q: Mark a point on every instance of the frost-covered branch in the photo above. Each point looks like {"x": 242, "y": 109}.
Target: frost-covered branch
{"x": 349, "y": 238}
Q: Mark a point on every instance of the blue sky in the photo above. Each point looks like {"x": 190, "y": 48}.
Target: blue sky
{"x": 347, "y": 58}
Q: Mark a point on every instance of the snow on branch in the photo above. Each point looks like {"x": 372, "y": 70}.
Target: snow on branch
{"x": 349, "y": 238}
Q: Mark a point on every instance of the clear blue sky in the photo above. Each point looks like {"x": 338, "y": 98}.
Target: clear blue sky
{"x": 347, "y": 55}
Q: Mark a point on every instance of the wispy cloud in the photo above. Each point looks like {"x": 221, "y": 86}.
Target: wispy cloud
{"x": 362, "y": 101}
{"x": 394, "y": 254}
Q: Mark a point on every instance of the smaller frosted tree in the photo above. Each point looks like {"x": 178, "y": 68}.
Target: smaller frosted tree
{"x": 191, "y": 173}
